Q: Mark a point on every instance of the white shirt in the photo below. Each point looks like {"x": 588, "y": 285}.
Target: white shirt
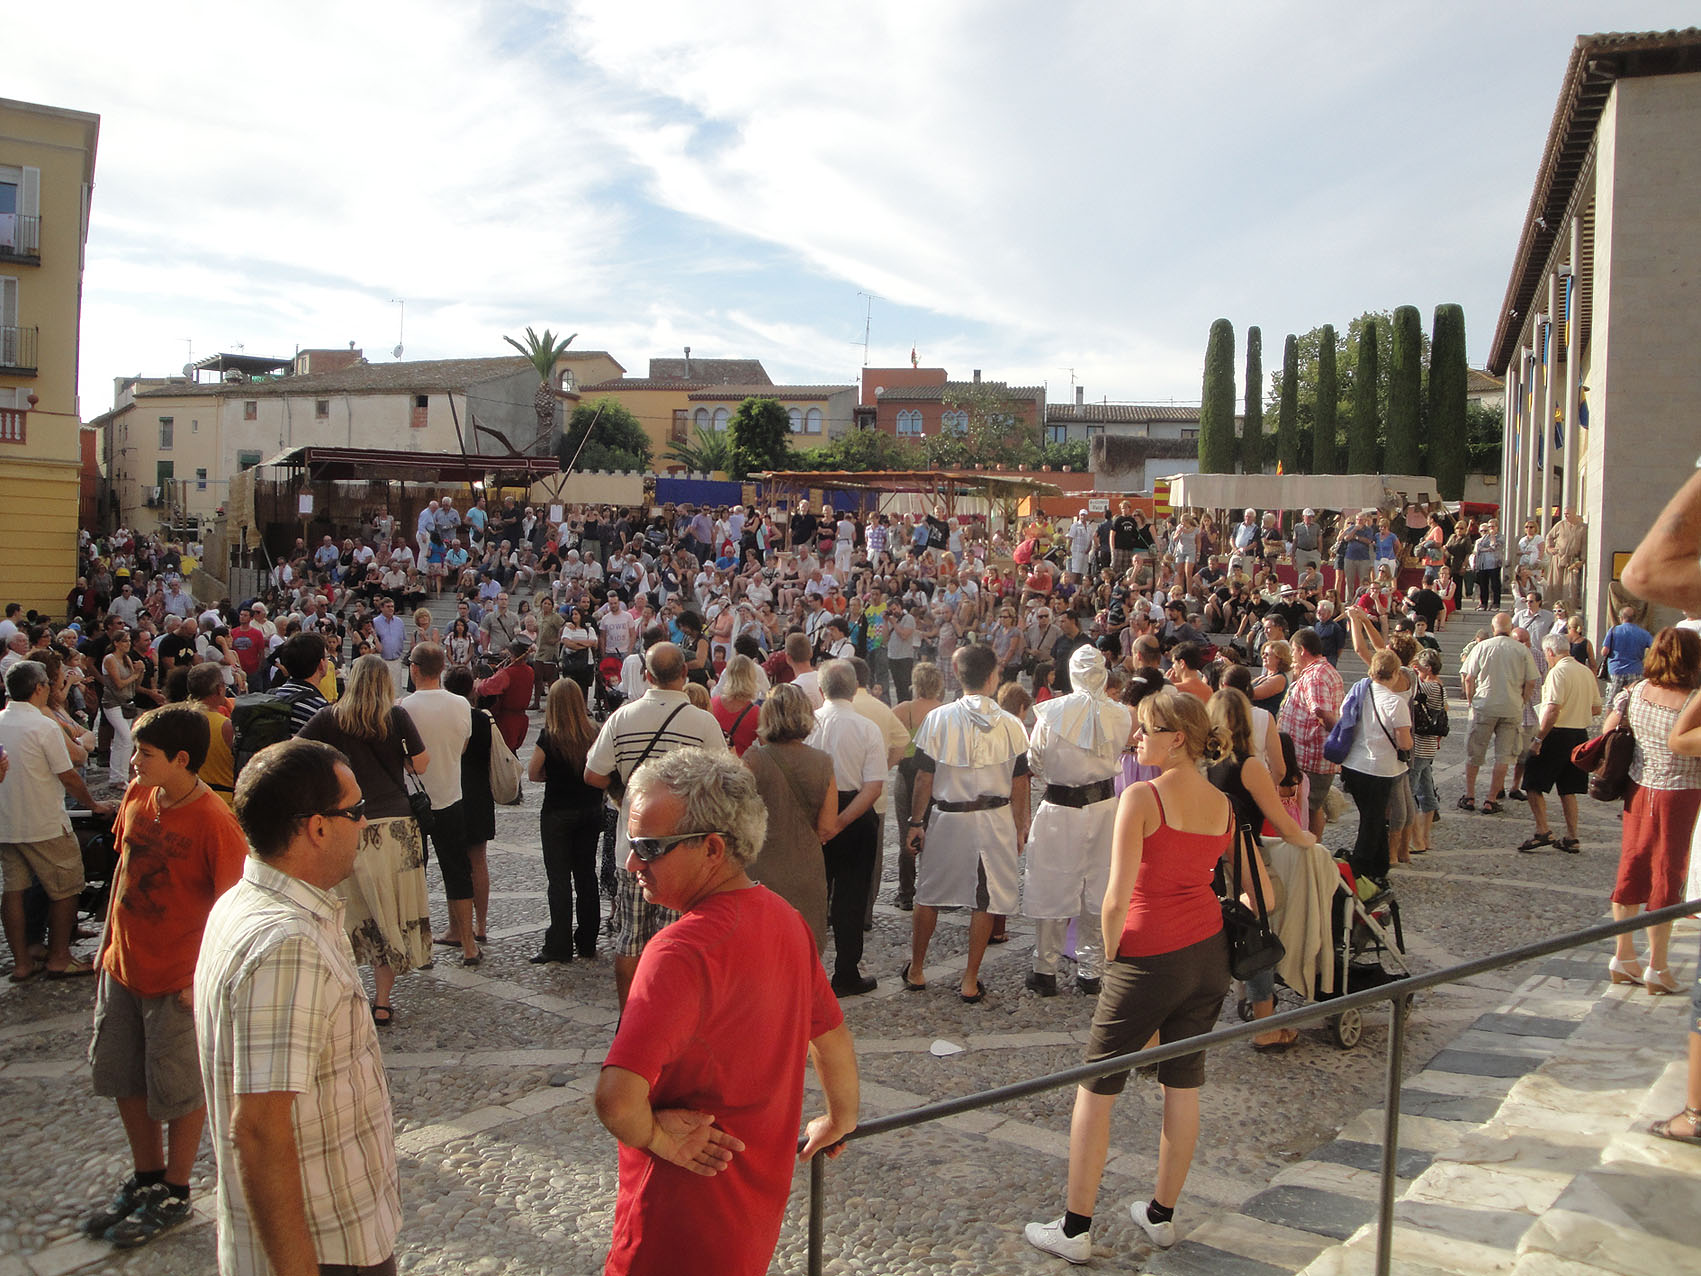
{"x": 810, "y": 684}
{"x": 628, "y": 732}
{"x": 1372, "y": 749}
{"x": 856, "y": 745}
{"x": 632, "y": 684}
{"x": 32, "y": 801}
{"x": 444, "y": 721}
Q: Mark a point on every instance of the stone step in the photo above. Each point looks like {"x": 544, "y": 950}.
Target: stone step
{"x": 1523, "y": 1151}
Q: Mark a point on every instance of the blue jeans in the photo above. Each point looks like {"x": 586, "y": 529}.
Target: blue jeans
{"x": 1424, "y": 794}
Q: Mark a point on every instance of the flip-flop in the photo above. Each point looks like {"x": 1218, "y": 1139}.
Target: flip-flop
{"x": 909, "y": 984}
{"x": 978, "y": 996}
{"x": 446, "y": 943}
{"x": 76, "y": 970}
{"x": 28, "y": 975}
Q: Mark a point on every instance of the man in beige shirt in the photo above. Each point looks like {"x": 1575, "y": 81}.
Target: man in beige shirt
{"x": 897, "y": 738}
{"x": 1571, "y": 697}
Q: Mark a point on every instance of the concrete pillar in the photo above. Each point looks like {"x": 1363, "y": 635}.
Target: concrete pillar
{"x": 1535, "y": 379}
{"x": 1573, "y": 369}
{"x": 1550, "y": 368}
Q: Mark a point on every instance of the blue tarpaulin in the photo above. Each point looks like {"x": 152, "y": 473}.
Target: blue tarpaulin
{"x": 709, "y": 492}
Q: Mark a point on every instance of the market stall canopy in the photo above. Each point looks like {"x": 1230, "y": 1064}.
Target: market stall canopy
{"x": 338, "y": 464}
{"x": 1296, "y": 491}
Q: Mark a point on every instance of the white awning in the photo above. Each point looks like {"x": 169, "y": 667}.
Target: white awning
{"x": 1297, "y": 491}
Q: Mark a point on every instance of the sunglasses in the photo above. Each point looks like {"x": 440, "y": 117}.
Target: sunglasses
{"x": 353, "y": 814}
{"x": 651, "y": 849}
{"x": 1140, "y": 728}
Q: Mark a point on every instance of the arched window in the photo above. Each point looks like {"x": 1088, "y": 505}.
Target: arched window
{"x": 909, "y": 421}
{"x": 955, "y": 422}
{"x": 795, "y": 416}
{"x": 812, "y": 421}
{"x": 722, "y": 416}
{"x": 700, "y": 418}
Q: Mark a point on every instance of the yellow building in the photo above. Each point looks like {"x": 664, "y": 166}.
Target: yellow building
{"x": 47, "y": 158}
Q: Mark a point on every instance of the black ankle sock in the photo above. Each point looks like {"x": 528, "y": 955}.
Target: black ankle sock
{"x": 180, "y": 1191}
{"x": 1159, "y": 1213}
{"x": 1075, "y": 1224}
{"x": 147, "y": 1178}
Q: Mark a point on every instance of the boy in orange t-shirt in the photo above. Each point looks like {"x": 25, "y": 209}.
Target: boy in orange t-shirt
{"x": 179, "y": 849}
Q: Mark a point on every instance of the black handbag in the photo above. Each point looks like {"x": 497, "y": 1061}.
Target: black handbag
{"x": 419, "y": 801}
{"x": 1253, "y": 946}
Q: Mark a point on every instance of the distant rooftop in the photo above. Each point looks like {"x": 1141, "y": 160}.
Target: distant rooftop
{"x": 711, "y": 371}
{"x": 410, "y": 376}
{"x": 1121, "y": 413}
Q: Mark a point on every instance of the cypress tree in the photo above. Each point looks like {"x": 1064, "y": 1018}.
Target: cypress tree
{"x": 1287, "y": 415}
{"x": 1216, "y": 405}
{"x": 1324, "y": 446}
{"x": 1252, "y": 428}
{"x": 1447, "y": 372}
{"x": 1364, "y": 456}
{"x": 1405, "y": 389}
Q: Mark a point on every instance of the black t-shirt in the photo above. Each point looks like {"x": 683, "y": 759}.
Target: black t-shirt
{"x": 1061, "y": 650}
{"x": 1428, "y": 604}
{"x": 938, "y": 533}
{"x": 804, "y": 528}
{"x": 171, "y": 651}
{"x": 1124, "y": 531}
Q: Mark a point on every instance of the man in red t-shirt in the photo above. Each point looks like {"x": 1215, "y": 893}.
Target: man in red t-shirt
{"x": 179, "y": 849}
{"x": 707, "y": 1148}
{"x": 248, "y": 641}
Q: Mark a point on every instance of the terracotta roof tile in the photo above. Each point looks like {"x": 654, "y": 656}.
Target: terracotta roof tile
{"x": 711, "y": 371}
{"x": 1120, "y": 413}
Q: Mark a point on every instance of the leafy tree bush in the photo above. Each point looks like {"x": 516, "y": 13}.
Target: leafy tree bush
{"x": 760, "y": 435}
{"x": 617, "y": 441}
{"x": 711, "y": 450}
{"x": 1216, "y": 406}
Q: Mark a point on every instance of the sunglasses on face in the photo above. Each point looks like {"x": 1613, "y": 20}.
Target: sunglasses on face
{"x": 353, "y": 814}
{"x": 651, "y": 849}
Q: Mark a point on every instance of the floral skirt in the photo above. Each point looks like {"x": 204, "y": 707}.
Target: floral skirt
{"x": 389, "y": 917}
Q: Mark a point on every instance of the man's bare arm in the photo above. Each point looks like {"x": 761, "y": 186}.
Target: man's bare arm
{"x": 834, "y": 1058}
{"x": 269, "y": 1169}
{"x": 1666, "y": 567}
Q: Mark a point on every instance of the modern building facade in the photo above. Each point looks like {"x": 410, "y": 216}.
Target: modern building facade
{"x": 47, "y": 159}
{"x": 1599, "y": 328}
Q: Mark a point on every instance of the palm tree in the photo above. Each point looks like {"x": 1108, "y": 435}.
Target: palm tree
{"x": 712, "y": 451}
{"x": 541, "y": 353}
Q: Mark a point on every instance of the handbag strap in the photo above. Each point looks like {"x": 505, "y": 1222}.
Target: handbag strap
{"x": 1370, "y": 695}
{"x": 656, "y": 738}
{"x": 1245, "y": 842}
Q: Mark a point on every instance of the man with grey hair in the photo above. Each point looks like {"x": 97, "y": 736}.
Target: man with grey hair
{"x": 1571, "y": 697}
{"x": 707, "y": 1150}
{"x": 858, "y": 750}
{"x": 37, "y": 846}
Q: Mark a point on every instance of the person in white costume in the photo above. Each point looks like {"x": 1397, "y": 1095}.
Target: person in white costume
{"x": 1075, "y": 749}
{"x": 972, "y": 760}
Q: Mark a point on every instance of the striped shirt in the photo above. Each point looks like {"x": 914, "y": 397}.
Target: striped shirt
{"x": 630, "y": 729}
{"x": 279, "y": 1007}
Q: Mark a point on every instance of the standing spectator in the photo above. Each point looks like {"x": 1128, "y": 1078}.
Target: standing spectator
{"x": 1571, "y": 697}
{"x": 1499, "y": 676}
{"x": 901, "y": 646}
{"x": 796, "y": 783}
{"x": 211, "y": 698}
{"x": 1373, "y": 764}
{"x": 1305, "y": 542}
{"x": 1332, "y": 635}
{"x": 1311, "y": 709}
{"x": 1487, "y": 561}
{"x": 1425, "y": 747}
{"x": 734, "y": 704}
{"x": 37, "y": 846}
{"x": 444, "y": 722}
{"x": 706, "y": 1151}
{"x": 392, "y": 633}
{"x": 478, "y": 803}
{"x": 294, "y": 1076}
{"x": 179, "y": 849}
{"x": 1124, "y": 540}
{"x": 569, "y": 825}
{"x": 1623, "y": 650}
{"x": 121, "y": 675}
{"x": 511, "y": 685}
{"x": 1353, "y": 555}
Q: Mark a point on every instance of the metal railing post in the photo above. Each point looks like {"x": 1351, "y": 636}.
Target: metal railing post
{"x": 1390, "y": 1133}
{"x": 817, "y": 1210}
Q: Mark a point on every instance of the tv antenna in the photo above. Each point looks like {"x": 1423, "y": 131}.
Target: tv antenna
{"x": 867, "y": 323}
{"x": 401, "y": 324}
{"x": 1071, "y": 373}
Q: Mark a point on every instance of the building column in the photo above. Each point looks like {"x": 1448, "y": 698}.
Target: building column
{"x": 1570, "y": 495}
{"x": 1545, "y": 433}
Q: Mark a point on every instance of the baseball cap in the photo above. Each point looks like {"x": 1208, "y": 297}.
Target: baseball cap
{"x": 1309, "y": 513}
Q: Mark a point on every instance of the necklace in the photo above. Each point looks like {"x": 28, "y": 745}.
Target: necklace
{"x": 162, "y": 805}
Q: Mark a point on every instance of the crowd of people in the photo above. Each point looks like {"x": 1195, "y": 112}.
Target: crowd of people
{"x": 1071, "y": 725}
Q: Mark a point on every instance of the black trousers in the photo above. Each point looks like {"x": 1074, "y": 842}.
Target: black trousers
{"x": 1370, "y": 794}
{"x": 850, "y": 863}
{"x": 901, "y": 670}
{"x": 569, "y": 837}
{"x": 1488, "y": 581}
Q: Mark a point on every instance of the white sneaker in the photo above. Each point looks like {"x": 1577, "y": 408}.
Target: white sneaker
{"x": 1050, "y": 1238}
{"x": 1161, "y": 1234}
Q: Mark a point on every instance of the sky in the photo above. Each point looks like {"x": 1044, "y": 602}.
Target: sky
{"x": 1061, "y": 194}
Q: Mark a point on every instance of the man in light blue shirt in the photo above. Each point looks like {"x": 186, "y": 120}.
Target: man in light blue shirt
{"x": 391, "y": 629}
{"x": 1623, "y": 649}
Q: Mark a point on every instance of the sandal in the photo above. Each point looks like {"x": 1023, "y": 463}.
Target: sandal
{"x": 1491, "y": 807}
{"x": 909, "y": 984}
{"x": 1570, "y": 845}
{"x": 1663, "y": 1130}
{"x": 24, "y": 977}
{"x": 976, "y": 997}
{"x": 1287, "y": 1041}
{"x": 1467, "y": 804}
{"x": 383, "y": 1016}
{"x": 1658, "y": 982}
{"x": 1536, "y": 841}
{"x": 76, "y": 969}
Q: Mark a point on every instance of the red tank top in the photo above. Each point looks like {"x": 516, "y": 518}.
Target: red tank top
{"x": 1173, "y": 904}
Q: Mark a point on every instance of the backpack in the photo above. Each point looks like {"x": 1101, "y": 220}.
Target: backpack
{"x": 1340, "y": 740}
{"x": 1428, "y": 721}
{"x": 262, "y": 718}
{"x": 504, "y": 769}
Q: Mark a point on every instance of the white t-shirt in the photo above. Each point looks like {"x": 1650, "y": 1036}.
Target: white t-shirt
{"x": 1373, "y": 752}
{"x": 444, "y": 722}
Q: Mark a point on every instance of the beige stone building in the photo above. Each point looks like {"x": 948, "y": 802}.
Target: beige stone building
{"x": 1598, "y": 333}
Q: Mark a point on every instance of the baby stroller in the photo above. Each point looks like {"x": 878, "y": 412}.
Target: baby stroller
{"x": 609, "y": 695}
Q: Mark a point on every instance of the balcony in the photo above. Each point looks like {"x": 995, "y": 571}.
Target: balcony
{"x": 17, "y": 350}
{"x": 13, "y": 422}
{"x": 20, "y": 238}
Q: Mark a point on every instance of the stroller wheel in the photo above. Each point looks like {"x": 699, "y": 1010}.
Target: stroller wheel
{"x": 1349, "y": 1028}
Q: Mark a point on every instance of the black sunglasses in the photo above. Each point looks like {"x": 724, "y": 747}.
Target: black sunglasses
{"x": 353, "y": 814}
{"x": 651, "y": 849}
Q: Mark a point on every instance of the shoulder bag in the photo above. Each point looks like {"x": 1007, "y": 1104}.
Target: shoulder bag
{"x": 1403, "y": 755}
{"x": 505, "y": 770}
{"x": 418, "y": 799}
{"x": 1253, "y": 946}
{"x": 1607, "y": 760}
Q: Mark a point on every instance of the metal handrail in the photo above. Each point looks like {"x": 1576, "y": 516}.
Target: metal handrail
{"x": 1397, "y": 993}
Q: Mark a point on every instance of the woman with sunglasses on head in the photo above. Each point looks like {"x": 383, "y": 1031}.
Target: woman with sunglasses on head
{"x": 389, "y": 915}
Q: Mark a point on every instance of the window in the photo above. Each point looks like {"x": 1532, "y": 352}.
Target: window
{"x": 722, "y": 418}
{"x": 20, "y": 213}
{"x": 812, "y": 421}
{"x": 795, "y": 417}
{"x": 678, "y": 435}
{"x": 421, "y": 412}
{"x": 1056, "y": 434}
{"x": 164, "y": 471}
{"x": 909, "y": 421}
{"x": 200, "y": 480}
{"x": 250, "y": 409}
{"x": 321, "y": 409}
{"x": 166, "y": 429}
{"x": 955, "y": 422}
{"x": 701, "y": 418}
{"x": 246, "y": 460}
{"x": 1189, "y": 434}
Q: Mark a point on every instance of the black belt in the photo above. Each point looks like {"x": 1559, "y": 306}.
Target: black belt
{"x": 1079, "y": 794}
{"x": 989, "y": 803}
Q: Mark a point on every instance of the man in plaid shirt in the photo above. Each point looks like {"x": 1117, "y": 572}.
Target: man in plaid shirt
{"x": 1313, "y": 705}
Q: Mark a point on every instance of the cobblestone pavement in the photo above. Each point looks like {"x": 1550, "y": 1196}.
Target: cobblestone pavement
{"x": 505, "y": 1169}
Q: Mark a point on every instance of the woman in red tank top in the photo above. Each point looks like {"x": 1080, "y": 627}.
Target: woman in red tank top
{"x": 1162, "y": 920}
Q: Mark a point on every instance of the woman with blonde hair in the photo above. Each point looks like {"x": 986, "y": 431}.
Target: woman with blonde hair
{"x": 797, "y": 787}
{"x": 569, "y": 824}
{"x": 734, "y": 704}
{"x": 389, "y": 914}
{"x": 1162, "y": 921}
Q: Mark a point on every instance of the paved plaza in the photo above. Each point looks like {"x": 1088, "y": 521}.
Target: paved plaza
{"x": 1524, "y": 1092}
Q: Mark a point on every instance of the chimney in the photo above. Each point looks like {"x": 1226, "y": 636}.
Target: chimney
{"x": 977, "y": 376}
{"x": 1080, "y": 395}
{"x": 687, "y": 363}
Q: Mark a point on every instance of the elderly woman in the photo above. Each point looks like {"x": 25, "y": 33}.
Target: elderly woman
{"x": 1659, "y": 816}
{"x": 796, "y": 784}
{"x": 734, "y": 703}
{"x": 1374, "y": 761}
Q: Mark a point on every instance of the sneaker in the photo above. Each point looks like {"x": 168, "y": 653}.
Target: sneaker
{"x": 1044, "y": 985}
{"x": 160, "y": 1212}
{"x": 1160, "y": 1234}
{"x": 125, "y": 1202}
{"x": 1050, "y": 1238}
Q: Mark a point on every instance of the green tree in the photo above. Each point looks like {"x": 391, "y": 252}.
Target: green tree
{"x": 760, "y": 432}
{"x": 1076, "y": 455}
{"x": 1346, "y": 361}
{"x": 1405, "y": 393}
{"x": 1252, "y": 427}
{"x": 1364, "y": 456}
{"x": 861, "y": 450}
{"x": 541, "y": 353}
{"x": 1287, "y": 415}
{"x": 710, "y": 451}
{"x": 1325, "y": 446}
{"x": 617, "y": 441}
{"x": 1448, "y": 437}
{"x": 994, "y": 429}
{"x": 1216, "y": 404}
{"x": 1484, "y": 440}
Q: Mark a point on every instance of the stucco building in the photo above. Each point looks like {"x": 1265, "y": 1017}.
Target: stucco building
{"x": 912, "y": 403}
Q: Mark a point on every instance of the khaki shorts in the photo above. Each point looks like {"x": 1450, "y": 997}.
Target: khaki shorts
{"x": 56, "y": 865}
{"x": 1508, "y": 737}
{"x": 144, "y": 1047}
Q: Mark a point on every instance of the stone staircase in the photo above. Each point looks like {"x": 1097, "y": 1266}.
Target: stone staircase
{"x": 1523, "y": 1152}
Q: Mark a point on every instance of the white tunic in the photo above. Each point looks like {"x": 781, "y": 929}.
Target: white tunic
{"x": 976, "y": 749}
{"x": 1068, "y": 859}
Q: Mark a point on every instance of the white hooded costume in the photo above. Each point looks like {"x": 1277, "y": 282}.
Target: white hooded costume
{"x": 1077, "y": 744}
{"x": 975, "y": 750}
